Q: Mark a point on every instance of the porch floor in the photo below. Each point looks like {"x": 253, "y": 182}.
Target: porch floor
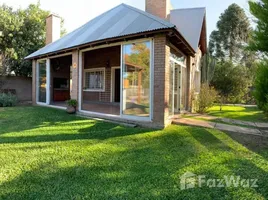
{"x": 109, "y": 108}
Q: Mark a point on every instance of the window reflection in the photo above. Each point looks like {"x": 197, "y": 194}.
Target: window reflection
{"x": 136, "y": 79}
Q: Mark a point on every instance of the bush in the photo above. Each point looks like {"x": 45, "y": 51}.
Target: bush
{"x": 261, "y": 87}
{"x": 231, "y": 81}
{"x": 72, "y": 102}
{"x": 206, "y": 98}
{"x": 7, "y": 100}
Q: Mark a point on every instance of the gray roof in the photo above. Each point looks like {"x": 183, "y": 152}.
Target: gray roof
{"x": 120, "y": 21}
{"x": 189, "y": 22}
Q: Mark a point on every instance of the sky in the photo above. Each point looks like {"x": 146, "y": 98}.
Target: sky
{"x": 78, "y": 12}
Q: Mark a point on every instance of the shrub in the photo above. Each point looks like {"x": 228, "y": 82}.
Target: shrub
{"x": 206, "y": 98}
{"x": 7, "y": 100}
{"x": 261, "y": 87}
{"x": 72, "y": 102}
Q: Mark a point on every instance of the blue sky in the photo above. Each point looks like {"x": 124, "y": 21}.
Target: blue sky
{"x": 78, "y": 12}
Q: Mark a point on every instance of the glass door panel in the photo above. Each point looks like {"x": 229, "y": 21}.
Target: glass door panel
{"x": 42, "y": 81}
{"x": 183, "y": 88}
{"x": 136, "y": 79}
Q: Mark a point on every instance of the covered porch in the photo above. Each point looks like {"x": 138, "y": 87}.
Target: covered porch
{"x": 115, "y": 80}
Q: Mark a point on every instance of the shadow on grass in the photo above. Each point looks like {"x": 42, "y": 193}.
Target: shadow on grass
{"x": 254, "y": 143}
{"x": 146, "y": 169}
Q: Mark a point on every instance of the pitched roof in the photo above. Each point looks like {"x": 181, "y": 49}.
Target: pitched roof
{"x": 120, "y": 21}
{"x": 189, "y": 22}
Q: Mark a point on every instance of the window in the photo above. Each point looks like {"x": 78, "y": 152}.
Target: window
{"x": 94, "y": 79}
{"x": 136, "y": 75}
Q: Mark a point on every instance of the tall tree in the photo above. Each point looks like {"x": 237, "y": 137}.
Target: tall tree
{"x": 22, "y": 32}
{"x": 259, "y": 9}
{"x": 233, "y": 30}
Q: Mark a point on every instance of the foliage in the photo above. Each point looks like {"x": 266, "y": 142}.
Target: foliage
{"x": 22, "y": 32}
{"x": 140, "y": 56}
{"x": 259, "y": 40}
{"x": 8, "y": 100}
{"x": 46, "y": 154}
{"x": 208, "y": 67}
{"x": 206, "y": 98}
{"x": 232, "y": 82}
{"x": 72, "y": 102}
{"x": 261, "y": 86}
{"x": 233, "y": 29}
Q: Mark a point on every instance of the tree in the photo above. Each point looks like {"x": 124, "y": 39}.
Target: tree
{"x": 233, "y": 30}
{"x": 259, "y": 9}
{"x": 22, "y": 32}
{"x": 261, "y": 86}
{"x": 231, "y": 81}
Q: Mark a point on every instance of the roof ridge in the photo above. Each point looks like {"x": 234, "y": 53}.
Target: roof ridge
{"x": 194, "y": 8}
{"x": 153, "y": 17}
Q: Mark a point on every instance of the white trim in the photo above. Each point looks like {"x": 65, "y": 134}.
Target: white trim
{"x": 80, "y": 87}
{"x": 112, "y": 82}
{"x": 37, "y": 81}
{"x": 121, "y": 78}
{"x": 134, "y": 117}
{"x": 115, "y": 44}
{"x": 101, "y": 69}
{"x": 152, "y": 80}
{"x": 127, "y": 117}
{"x": 47, "y": 81}
{"x": 177, "y": 62}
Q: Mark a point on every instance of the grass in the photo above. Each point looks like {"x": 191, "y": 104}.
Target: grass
{"x": 47, "y": 154}
{"x": 252, "y": 114}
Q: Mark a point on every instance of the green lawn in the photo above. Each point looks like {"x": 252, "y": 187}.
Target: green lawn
{"x": 47, "y": 154}
{"x": 238, "y": 112}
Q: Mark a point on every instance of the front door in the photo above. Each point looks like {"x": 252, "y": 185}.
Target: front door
{"x": 117, "y": 85}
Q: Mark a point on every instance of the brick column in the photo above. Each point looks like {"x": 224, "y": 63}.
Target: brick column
{"x": 161, "y": 81}
{"x": 34, "y": 82}
{"x": 75, "y": 75}
{"x": 189, "y": 65}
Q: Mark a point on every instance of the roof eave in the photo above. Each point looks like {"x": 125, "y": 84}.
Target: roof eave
{"x": 104, "y": 41}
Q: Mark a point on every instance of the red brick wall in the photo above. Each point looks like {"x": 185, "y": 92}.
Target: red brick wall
{"x": 161, "y": 80}
{"x": 99, "y": 58}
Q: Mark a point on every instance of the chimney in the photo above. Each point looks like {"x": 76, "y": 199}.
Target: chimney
{"x": 52, "y": 28}
{"x": 160, "y": 8}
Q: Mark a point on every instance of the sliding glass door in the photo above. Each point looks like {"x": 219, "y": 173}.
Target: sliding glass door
{"x": 177, "y": 87}
{"x": 41, "y": 81}
{"x": 136, "y": 79}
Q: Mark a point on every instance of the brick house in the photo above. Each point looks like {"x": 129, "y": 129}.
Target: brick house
{"x": 126, "y": 64}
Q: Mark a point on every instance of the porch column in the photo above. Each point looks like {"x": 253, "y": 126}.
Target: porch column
{"x": 161, "y": 80}
{"x": 34, "y": 82}
{"x": 189, "y": 65}
{"x": 75, "y": 75}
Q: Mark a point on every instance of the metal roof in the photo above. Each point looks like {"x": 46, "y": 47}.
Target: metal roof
{"x": 189, "y": 22}
{"x": 120, "y": 21}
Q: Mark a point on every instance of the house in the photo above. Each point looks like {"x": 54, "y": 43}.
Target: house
{"x": 126, "y": 64}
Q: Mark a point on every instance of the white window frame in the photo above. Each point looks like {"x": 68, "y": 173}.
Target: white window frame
{"x": 94, "y": 70}
{"x": 127, "y": 117}
{"x": 47, "y": 60}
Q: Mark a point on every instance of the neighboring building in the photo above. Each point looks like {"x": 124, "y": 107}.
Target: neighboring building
{"x": 125, "y": 65}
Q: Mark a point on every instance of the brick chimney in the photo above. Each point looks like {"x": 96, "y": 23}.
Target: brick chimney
{"x": 160, "y": 8}
{"x": 52, "y": 28}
